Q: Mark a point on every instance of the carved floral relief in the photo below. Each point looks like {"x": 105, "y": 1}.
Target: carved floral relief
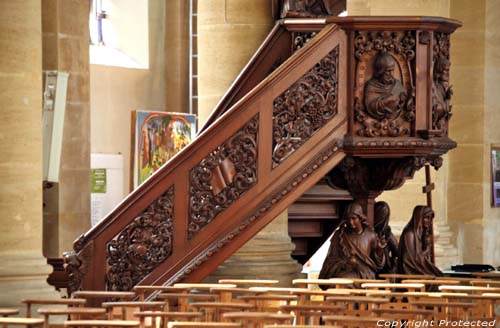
{"x": 384, "y": 101}
{"x": 142, "y": 245}
{"x": 305, "y": 107}
{"x": 223, "y": 176}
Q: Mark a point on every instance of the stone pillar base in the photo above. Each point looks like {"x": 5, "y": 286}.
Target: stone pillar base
{"x": 266, "y": 256}
{"x": 23, "y": 275}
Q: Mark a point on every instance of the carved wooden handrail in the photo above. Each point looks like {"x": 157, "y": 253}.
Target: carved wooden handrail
{"x": 231, "y": 181}
{"x": 292, "y": 115}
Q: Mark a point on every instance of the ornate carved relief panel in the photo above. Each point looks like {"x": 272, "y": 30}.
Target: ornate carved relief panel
{"x": 441, "y": 90}
{"x": 223, "y": 176}
{"x": 305, "y": 107}
{"x": 142, "y": 245}
{"x": 301, "y": 38}
{"x": 384, "y": 97}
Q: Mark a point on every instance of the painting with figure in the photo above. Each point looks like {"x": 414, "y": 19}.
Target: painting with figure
{"x": 158, "y": 136}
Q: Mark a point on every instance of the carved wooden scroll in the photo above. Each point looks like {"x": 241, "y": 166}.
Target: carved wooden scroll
{"x": 384, "y": 102}
{"x": 305, "y": 107}
{"x": 441, "y": 90}
{"x": 142, "y": 245}
{"x": 223, "y": 176}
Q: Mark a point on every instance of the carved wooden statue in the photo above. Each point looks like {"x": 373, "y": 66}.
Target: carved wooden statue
{"x": 385, "y": 95}
{"x": 441, "y": 95}
{"x": 312, "y": 8}
{"x": 355, "y": 250}
{"x": 415, "y": 244}
{"x": 383, "y": 230}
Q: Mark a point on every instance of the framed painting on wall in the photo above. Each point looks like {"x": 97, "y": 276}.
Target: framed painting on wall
{"x": 495, "y": 176}
{"x": 157, "y": 137}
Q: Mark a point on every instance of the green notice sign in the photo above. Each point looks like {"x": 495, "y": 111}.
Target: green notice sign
{"x": 98, "y": 181}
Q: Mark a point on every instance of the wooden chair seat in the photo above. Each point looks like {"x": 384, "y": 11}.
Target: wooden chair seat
{"x": 52, "y": 301}
{"x": 32, "y": 322}
{"x": 5, "y": 312}
{"x": 101, "y": 323}
{"x": 410, "y": 287}
{"x": 337, "y": 282}
{"x": 395, "y": 276}
{"x": 260, "y": 282}
{"x": 399, "y": 314}
{"x": 103, "y": 294}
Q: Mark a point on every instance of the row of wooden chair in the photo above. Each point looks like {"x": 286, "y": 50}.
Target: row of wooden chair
{"x": 250, "y": 303}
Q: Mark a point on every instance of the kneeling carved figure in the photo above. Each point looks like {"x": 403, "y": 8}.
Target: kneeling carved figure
{"x": 355, "y": 249}
{"x": 415, "y": 244}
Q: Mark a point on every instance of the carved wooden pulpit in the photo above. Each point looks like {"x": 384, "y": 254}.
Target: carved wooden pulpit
{"x": 362, "y": 100}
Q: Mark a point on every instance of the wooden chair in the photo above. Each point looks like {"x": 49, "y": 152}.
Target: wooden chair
{"x": 311, "y": 313}
{"x": 249, "y": 282}
{"x": 268, "y": 302}
{"x": 395, "y": 286}
{"x": 112, "y": 307}
{"x": 357, "y": 305}
{"x": 396, "y": 314}
{"x": 95, "y": 298}
{"x": 6, "y": 312}
{"x": 213, "y": 310}
{"x": 257, "y": 319}
{"x": 74, "y": 313}
{"x": 298, "y": 326}
{"x": 101, "y": 323}
{"x": 397, "y": 277}
{"x": 445, "y": 310}
{"x": 166, "y": 317}
{"x": 28, "y": 322}
{"x": 141, "y": 290}
{"x": 352, "y": 321}
{"x": 180, "y": 324}
{"x": 51, "y": 301}
{"x": 334, "y": 282}
{"x": 226, "y": 294}
{"x": 180, "y": 301}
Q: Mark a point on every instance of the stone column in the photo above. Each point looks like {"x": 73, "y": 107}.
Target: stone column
{"x": 177, "y": 56}
{"x": 229, "y": 33}
{"x": 65, "y": 32}
{"x": 23, "y": 269}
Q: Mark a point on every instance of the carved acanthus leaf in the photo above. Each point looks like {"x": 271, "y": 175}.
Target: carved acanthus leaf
{"x": 305, "y": 107}
{"x": 223, "y": 176}
{"x": 402, "y": 43}
{"x": 142, "y": 245}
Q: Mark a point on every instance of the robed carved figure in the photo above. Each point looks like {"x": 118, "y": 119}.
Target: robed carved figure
{"x": 355, "y": 250}
{"x": 383, "y": 230}
{"x": 385, "y": 95}
{"x": 415, "y": 244}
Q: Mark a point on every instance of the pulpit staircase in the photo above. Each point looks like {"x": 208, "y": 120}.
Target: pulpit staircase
{"x": 290, "y": 118}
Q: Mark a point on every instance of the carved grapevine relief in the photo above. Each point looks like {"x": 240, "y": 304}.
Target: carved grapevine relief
{"x": 142, "y": 245}
{"x": 223, "y": 176}
{"x": 384, "y": 102}
{"x": 305, "y": 107}
{"x": 441, "y": 90}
